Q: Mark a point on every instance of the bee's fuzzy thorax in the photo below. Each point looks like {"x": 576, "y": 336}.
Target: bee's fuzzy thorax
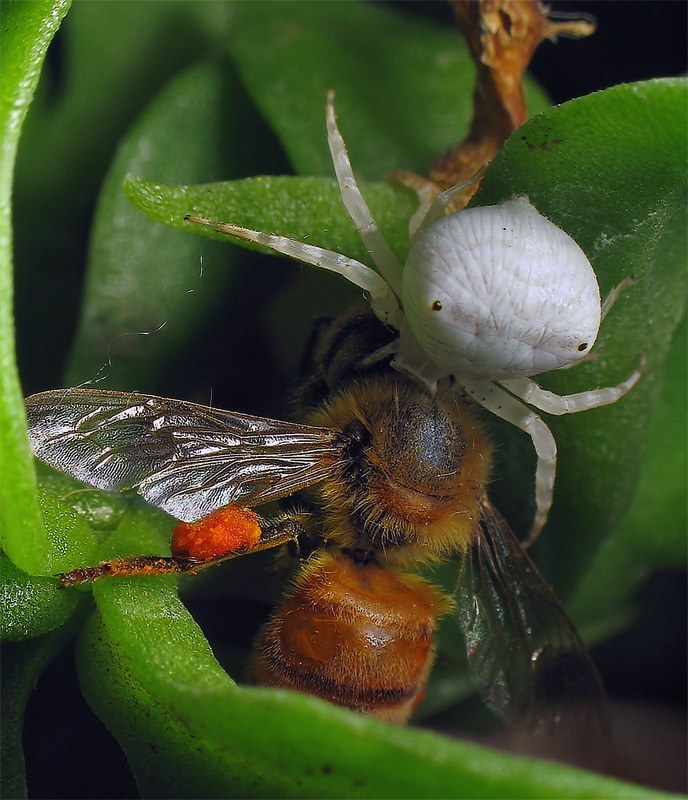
{"x": 411, "y": 483}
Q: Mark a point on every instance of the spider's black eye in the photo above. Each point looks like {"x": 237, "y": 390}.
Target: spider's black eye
{"x": 436, "y": 306}
{"x": 582, "y": 346}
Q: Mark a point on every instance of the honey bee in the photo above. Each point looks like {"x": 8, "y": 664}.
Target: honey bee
{"x": 381, "y": 477}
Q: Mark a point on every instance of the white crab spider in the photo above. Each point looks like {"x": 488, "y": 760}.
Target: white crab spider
{"x": 489, "y": 296}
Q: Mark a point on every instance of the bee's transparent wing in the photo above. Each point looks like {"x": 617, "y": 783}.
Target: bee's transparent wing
{"x": 185, "y": 458}
{"x": 524, "y": 654}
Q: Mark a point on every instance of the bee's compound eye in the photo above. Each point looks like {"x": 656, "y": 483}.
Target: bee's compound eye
{"x": 437, "y": 305}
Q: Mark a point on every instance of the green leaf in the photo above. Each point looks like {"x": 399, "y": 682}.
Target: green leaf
{"x": 31, "y": 607}
{"x": 26, "y": 30}
{"x": 305, "y": 208}
{"x": 310, "y": 209}
{"x": 148, "y": 672}
{"x": 145, "y": 297}
{"x": 581, "y": 173}
{"x": 87, "y": 98}
{"x": 418, "y": 76}
{"x": 75, "y": 125}
{"x": 652, "y": 535}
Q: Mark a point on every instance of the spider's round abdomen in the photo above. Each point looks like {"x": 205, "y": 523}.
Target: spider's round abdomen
{"x": 499, "y": 292}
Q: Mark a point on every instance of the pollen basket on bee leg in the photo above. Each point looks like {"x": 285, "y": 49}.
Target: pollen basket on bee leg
{"x": 224, "y": 531}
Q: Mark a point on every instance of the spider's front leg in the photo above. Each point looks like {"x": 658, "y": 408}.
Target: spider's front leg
{"x": 508, "y": 408}
{"x": 381, "y": 253}
{"x": 433, "y": 204}
{"x": 383, "y": 289}
{"x": 382, "y": 299}
{"x": 436, "y": 210}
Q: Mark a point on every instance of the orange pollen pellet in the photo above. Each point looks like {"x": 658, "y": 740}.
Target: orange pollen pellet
{"x": 224, "y": 531}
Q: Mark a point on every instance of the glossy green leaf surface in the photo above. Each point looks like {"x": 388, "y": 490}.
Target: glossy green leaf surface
{"x": 213, "y": 739}
{"x": 31, "y": 607}
{"x": 309, "y": 209}
{"x": 26, "y": 30}
{"x": 652, "y": 534}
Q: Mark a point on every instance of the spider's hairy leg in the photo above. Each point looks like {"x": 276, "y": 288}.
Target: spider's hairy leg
{"x": 613, "y": 295}
{"x": 382, "y": 299}
{"x": 429, "y": 213}
{"x": 508, "y": 408}
{"x": 355, "y": 203}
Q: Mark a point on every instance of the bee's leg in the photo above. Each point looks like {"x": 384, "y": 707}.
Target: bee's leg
{"x": 506, "y": 407}
{"x": 126, "y": 567}
{"x": 195, "y": 552}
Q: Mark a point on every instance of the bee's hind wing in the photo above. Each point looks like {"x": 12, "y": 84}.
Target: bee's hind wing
{"x": 524, "y": 653}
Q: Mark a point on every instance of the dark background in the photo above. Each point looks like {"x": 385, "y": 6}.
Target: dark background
{"x": 635, "y": 40}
